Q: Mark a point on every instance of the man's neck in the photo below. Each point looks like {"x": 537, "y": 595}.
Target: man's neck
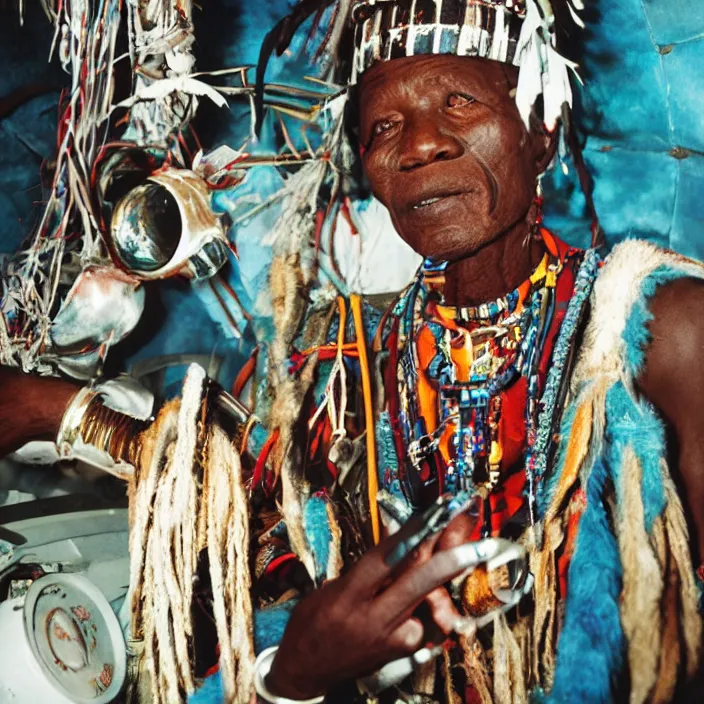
{"x": 495, "y": 270}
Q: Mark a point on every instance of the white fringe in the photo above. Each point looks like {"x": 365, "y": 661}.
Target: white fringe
{"x": 193, "y": 486}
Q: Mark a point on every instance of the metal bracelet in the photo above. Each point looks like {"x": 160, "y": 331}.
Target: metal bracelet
{"x": 262, "y": 666}
{"x": 101, "y": 426}
{"x": 395, "y": 672}
{"x": 70, "y": 427}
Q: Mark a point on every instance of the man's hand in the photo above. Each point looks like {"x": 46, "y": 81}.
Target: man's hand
{"x": 31, "y": 408}
{"x": 354, "y": 625}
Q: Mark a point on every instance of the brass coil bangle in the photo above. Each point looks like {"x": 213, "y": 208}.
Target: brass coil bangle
{"x": 111, "y": 431}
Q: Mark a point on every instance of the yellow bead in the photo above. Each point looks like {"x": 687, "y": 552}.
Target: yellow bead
{"x": 496, "y": 453}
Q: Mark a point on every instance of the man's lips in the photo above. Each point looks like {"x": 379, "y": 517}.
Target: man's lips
{"x": 431, "y": 203}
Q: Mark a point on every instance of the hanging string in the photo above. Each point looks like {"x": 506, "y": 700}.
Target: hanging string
{"x": 586, "y": 182}
{"x": 188, "y": 496}
{"x": 338, "y": 375}
{"x": 278, "y": 40}
{"x": 372, "y": 476}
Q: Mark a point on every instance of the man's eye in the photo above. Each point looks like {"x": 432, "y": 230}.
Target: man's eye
{"x": 459, "y": 100}
{"x": 381, "y": 127}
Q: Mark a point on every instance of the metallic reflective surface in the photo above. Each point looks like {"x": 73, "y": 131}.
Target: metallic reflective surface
{"x": 102, "y": 308}
{"x": 147, "y": 228}
{"x": 166, "y": 226}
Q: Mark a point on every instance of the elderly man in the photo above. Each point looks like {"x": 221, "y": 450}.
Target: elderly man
{"x": 563, "y": 392}
{"x": 557, "y": 399}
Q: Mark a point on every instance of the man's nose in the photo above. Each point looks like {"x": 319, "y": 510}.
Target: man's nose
{"x": 426, "y": 142}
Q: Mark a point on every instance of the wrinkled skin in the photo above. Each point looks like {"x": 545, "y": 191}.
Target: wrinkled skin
{"x": 444, "y": 126}
{"x": 357, "y": 623}
{"x": 447, "y": 127}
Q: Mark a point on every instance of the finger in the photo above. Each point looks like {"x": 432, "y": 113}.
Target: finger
{"x": 420, "y": 555}
{"x": 368, "y": 576}
{"x": 419, "y": 530}
{"x": 378, "y": 564}
{"x": 394, "y": 672}
{"x": 459, "y": 531}
{"x": 466, "y": 627}
{"x": 442, "y": 610}
{"x": 406, "y": 639}
{"x": 414, "y": 585}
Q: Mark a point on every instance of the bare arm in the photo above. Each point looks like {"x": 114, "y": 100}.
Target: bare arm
{"x": 673, "y": 381}
{"x": 31, "y": 408}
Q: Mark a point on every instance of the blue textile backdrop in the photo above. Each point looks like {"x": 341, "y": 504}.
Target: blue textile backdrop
{"x": 640, "y": 112}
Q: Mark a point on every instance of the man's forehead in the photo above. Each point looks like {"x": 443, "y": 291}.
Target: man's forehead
{"x": 515, "y": 33}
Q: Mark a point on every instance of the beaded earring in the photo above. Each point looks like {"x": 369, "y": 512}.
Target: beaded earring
{"x": 538, "y": 202}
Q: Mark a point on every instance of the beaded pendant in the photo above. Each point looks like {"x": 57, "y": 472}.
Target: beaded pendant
{"x": 455, "y": 365}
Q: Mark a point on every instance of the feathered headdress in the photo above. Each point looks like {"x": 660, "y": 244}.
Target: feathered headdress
{"x": 517, "y": 32}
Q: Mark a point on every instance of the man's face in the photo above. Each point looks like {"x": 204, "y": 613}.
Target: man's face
{"x": 446, "y": 151}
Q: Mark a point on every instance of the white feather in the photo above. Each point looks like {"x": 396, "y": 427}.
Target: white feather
{"x": 543, "y": 70}
{"x": 178, "y": 84}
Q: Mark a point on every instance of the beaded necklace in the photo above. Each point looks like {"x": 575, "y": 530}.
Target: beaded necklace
{"x": 453, "y": 368}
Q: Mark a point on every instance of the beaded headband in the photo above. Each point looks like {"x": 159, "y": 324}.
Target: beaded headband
{"x": 389, "y": 29}
{"x": 517, "y": 32}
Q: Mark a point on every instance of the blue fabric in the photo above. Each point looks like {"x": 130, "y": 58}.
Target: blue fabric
{"x": 388, "y": 459}
{"x": 210, "y": 692}
{"x": 28, "y": 135}
{"x": 269, "y": 625}
{"x": 641, "y": 111}
{"x": 675, "y": 21}
{"x": 317, "y": 526}
{"x": 633, "y": 423}
{"x": 591, "y": 647}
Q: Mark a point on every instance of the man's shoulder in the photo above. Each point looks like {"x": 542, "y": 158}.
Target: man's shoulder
{"x": 637, "y": 267}
{"x": 631, "y": 280}
{"x": 676, "y": 334}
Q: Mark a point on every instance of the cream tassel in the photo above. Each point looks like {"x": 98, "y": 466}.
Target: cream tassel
{"x": 288, "y": 290}
{"x": 678, "y": 538}
{"x": 642, "y": 583}
{"x": 335, "y": 561}
{"x": 509, "y": 682}
{"x": 154, "y": 440}
{"x": 475, "y": 667}
{"x": 671, "y": 649}
{"x": 171, "y": 521}
{"x": 451, "y": 697}
{"x": 228, "y": 556}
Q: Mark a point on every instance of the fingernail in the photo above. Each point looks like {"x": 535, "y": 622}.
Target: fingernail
{"x": 424, "y": 655}
{"x": 477, "y": 552}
